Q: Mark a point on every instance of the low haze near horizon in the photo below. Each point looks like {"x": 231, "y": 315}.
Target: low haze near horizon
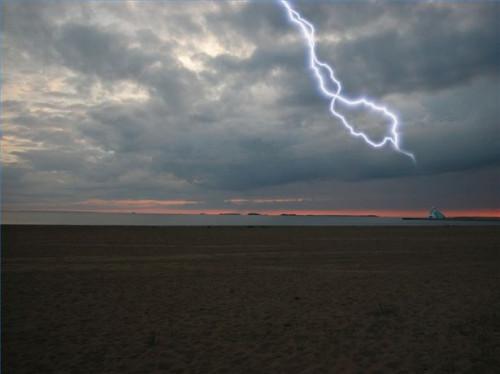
{"x": 178, "y": 107}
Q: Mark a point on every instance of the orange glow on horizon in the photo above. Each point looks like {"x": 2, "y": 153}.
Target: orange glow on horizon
{"x": 394, "y": 213}
{"x": 187, "y": 207}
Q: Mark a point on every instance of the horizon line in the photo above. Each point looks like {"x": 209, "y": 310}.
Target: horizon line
{"x": 382, "y": 213}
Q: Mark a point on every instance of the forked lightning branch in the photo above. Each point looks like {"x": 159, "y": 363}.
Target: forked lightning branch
{"x": 325, "y": 75}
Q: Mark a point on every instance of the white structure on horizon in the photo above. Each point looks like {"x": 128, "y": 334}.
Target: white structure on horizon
{"x": 436, "y": 214}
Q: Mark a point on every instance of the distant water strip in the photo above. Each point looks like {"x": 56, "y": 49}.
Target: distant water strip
{"x": 129, "y": 219}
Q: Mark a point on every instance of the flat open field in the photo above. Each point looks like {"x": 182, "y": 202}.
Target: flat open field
{"x": 250, "y": 299}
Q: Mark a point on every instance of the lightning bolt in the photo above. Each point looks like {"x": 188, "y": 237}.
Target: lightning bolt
{"x": 323, "y": 71}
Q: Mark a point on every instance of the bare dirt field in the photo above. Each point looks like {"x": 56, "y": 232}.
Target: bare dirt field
{"x": 250, "y": 299}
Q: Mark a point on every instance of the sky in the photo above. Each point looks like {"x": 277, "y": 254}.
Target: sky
{"x": 198, "y": 106}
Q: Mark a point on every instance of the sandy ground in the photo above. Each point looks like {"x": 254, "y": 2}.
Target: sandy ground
{"x": 250, "y": 300}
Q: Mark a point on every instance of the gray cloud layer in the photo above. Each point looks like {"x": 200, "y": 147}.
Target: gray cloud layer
{"x": 171, "y": 100}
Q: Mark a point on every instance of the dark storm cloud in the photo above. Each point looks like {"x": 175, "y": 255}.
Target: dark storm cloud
{"x": 404, "y": 47}
{"x": 255, "y": 22}
{"x": 432, "y": 51}
{"x": 28, "y": 28}
{"x": 105, "y": 54}
{"x": 250, "y": 119}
